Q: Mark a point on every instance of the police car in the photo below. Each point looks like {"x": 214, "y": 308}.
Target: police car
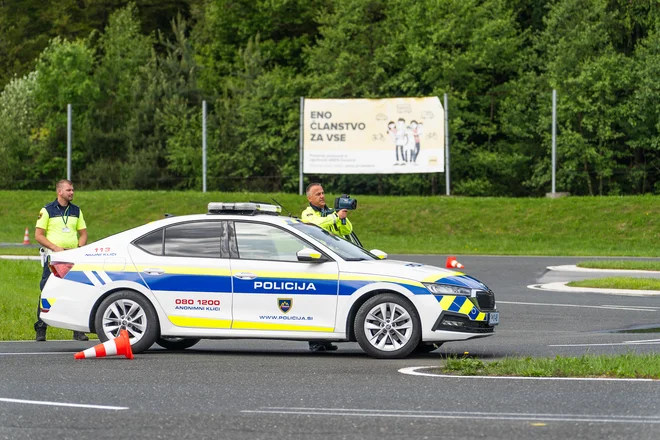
{"x": 242, "y": 270}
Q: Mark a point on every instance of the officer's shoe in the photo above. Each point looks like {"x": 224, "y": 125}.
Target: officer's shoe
{"x": 321, "y": 346}
{"x": 41, "y": 335}
{"x": 80, "y": 336}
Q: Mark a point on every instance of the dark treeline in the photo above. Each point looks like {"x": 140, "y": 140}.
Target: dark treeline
{"x": 137, "y": 73}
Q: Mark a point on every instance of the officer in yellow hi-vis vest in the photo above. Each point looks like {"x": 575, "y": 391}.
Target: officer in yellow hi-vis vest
{"x": 60, "y": 226}
{"x": 336, "y": 223}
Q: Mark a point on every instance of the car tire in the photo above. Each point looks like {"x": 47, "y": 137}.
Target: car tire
{"x": 129, "y": 310}
{"x": 427, "y": 347}
{"x": 387, "y": 326}
{"x": 176, "y": 343}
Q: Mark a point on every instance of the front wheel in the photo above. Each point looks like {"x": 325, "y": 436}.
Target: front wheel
{"x": 387, "y": 326}
{"x": 127, "y": 309}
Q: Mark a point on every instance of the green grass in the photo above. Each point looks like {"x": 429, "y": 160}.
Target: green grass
{"x": 19, "y": 296}
{"x": 599, "y": 226}
{"x": 19, "y": 250}
{"x": 620, "y": 265}
{"x": 619, "y": 283}
{"x": 628, "y": 365}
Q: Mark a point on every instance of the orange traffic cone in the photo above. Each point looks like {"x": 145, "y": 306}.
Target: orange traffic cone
{"x": 452, "y": 263}
{"x": 121, "y": 345}
{"x": 26, "y": 237}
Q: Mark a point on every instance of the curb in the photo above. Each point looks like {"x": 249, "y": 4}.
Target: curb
{"x": 562, "y": 287}
{"x": 20, "y": 257}
{"x": 573, "y": 268}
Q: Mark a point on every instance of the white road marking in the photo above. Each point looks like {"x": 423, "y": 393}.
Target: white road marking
{"x": 20, "y": 257}
{"x": 35, "y": 353}
{"x": 646, "y": 342}
{"x": 73, "y": 405}
{"x": 574, "y": 268}
{"x": 562, "y": 287}
{"x": 608, "y": 307}
{"x": 413, "y": 372}
{"x": 458, "y": 415}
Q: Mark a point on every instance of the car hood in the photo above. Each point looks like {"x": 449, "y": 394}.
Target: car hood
{"x": 414, "y": 271}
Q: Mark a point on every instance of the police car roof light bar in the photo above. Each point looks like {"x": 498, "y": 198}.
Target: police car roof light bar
{"x": 243, "y": 208}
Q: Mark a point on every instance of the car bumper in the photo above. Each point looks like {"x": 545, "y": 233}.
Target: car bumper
{"x": 70, "y": 307}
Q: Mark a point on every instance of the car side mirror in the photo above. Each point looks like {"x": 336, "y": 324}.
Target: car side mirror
{"x": 380, "y": 254}
{"x": 310, "y": 256}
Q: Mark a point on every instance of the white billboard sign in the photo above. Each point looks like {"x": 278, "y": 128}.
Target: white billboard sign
{"x": 373, "y": 136}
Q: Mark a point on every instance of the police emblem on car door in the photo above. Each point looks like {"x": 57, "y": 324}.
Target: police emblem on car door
{"x": 268, "y": 279}
{"x": 285, "y": 304}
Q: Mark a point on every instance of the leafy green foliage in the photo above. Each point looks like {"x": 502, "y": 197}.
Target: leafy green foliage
{"x": 137, "y": 73}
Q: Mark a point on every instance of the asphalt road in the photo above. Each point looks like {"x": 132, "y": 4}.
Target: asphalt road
{"x": 278, "y": 389}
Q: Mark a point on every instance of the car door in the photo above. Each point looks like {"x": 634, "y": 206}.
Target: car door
{"x": 273, "y": 291}
{"x": 186, "y": 266}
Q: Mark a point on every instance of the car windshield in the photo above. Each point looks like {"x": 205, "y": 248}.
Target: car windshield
{"x": 348, "y": 251}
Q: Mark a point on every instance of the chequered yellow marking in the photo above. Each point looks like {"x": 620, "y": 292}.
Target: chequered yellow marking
{"x": 446, "y": 302}
{"x": 480, "y": 317}
{"x": 375, "y": 278}
{"x": 246, "y": 325}
{"x": 183, "y": 321}
{"x": 466, "y": 307}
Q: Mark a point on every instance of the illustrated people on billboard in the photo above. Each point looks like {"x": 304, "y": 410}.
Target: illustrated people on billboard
{"x": 410, "y": 145}
{"x": 401, "y": 140}
{"x": 391, "y": 132}
{"x": 417, "y": 132}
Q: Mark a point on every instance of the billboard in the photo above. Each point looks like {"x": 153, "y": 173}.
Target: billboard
{"x": 373, "y": 136}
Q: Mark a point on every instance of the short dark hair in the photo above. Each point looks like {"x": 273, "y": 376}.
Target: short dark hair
{"x": 59, "y": 184}
{"x": 312, "y": 185}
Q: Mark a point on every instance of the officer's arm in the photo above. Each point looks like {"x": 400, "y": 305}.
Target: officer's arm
{"x": 40, "y": 236}
{"x": 344, "y": 229}
{"x": 82, "y": 237}
{"x": 324, "y": 222}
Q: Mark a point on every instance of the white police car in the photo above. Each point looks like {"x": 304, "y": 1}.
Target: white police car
{"x": 244, "y": 271}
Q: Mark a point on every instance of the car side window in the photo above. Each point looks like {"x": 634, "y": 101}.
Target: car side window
{"x": 258, "y": 241}
{"x": 151, "y": 243}
{"x": 196, "y": 239}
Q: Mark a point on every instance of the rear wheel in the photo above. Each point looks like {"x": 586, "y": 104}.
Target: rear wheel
{"x": 176, "y": 343}
{"x": 127, "y": 309}
{"x": 387, "y": 326}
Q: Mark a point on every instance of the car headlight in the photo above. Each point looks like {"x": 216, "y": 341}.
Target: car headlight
{"x": 448, "y": 289}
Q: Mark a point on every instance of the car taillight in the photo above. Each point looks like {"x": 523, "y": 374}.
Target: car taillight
{"x": 60, "y": 269}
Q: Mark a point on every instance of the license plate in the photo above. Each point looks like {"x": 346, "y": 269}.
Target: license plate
{"x": 493, "y": 318}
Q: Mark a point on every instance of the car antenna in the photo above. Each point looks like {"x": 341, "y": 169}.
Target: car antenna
{"x": 280, "y": 205}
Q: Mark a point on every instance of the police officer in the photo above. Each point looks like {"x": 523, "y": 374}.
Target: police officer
{"x": 60, "y": 226}
{"x": 336, "y": 223}
{"x": 318, "y": 213}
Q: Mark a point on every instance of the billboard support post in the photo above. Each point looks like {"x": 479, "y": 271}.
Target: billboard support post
{"x": 203, "y": 146}
{"x": 302, "y": 134}
{"x": 447, "y": 179}
{"x": 68, "y": 142}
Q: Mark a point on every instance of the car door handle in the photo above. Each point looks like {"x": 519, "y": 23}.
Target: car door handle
{"x": 245, "y": 276}
{"x": 154, "y": 271}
